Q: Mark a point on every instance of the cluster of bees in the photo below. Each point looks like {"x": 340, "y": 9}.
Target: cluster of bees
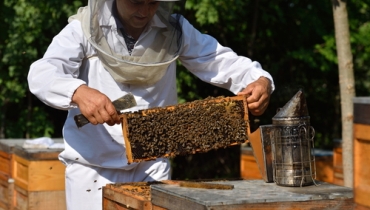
{"x": 141, "y": 189}
{"x": 188, "y": 128}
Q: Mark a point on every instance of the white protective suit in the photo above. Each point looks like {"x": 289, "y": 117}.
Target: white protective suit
{"x": 95, "y": 154}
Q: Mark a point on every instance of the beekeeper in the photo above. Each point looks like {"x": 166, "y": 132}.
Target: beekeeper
{"x": 114, "y": 47}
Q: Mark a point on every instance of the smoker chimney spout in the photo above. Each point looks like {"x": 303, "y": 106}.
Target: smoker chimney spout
{"x": 288, "y": 144}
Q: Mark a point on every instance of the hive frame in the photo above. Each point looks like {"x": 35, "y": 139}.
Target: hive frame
{"x": 125, "y": 129}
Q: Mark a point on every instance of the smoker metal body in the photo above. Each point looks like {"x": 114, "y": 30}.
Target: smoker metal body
{"x": 287, "y": 146}
{"x": 292, "y": 149}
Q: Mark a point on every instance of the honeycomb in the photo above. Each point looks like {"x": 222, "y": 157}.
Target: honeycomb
{"x": 188, "y": 128}
{"x": 139, "y": 189}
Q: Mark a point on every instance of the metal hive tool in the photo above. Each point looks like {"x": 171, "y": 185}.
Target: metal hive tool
{"x": 184, "y": 129}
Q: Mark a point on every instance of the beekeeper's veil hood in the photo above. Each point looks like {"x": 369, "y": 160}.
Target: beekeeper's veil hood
{"x": 147, "y": 68}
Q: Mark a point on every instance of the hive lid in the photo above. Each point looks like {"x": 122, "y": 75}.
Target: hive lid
{"x": 295, "y": 108}
{"x": 361, "y": 100}
{"x": 247, "y": 194}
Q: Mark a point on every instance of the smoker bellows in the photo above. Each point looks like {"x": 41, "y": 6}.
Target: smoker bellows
{"x": 188, "y": 128}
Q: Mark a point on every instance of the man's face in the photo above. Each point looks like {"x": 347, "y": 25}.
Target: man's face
{"x": 135, "y": 14}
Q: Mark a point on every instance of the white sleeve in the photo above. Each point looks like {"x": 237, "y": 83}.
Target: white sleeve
{"x": 218, "y": 65}
{"x": 54, "y": 78}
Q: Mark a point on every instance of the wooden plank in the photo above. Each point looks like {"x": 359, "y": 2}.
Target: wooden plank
{"x": 20, "y": 172}
{"x": 127, "y": 199}
{"x": 361, "y": 207}
{"x": 46, "y": 200}
{"x": 112, "y": 205}
{"x": 248, "y": 165}
{"x": 172, "y": 202}
{"x": 324, "y": 168}
{"x": 338, "y": 164}
{"x": 361, "y": 158}
{"x": 301, "y": 205}
{"x": 254, "y": 160}
{"x": 6, "y": 193}
{"x": 361, "y": 132}
{"x": 6, "y": 158}
{"x": 5, "y": 166}
{"x": 5, "y": 155}
{"x": 158, "y": 208}
{"x": 39, "y": 200}
{"x": 128, "y": 196}
{"x": 181, "y": 204}
{"x": 20, "y": 201}
{"x": 125, "y": 137}
{"x": 46, "y": 175}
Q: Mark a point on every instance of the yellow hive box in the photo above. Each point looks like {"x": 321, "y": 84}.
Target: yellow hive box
{"x": 39, "y": 179}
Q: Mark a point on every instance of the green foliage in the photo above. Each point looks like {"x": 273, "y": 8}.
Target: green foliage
{"x": 19, "y": 127}
{"x": 26, "y": 32}
{"x": 361, "y": 58}
{"x": 206, "y": 10}
{"x": 327, "y": 50}
{"x": 360, "y": 42}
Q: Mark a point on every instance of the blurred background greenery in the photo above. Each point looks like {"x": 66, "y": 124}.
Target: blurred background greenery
{"x": 292, "y": 39}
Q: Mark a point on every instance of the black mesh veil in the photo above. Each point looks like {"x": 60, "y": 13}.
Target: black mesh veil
{"x": 162, "y": 45}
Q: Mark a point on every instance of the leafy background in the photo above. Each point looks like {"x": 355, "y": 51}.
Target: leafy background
{"x": 292, "y": 39}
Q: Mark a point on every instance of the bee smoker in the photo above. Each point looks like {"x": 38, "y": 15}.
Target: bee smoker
{"x": 292, "y": 144}
{"x": 287, "y": 146}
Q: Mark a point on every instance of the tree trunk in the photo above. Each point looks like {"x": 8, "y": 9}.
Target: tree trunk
{"x": 346, "y": 83}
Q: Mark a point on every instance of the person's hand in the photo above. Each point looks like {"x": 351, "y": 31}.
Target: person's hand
{"x": 258, "y": 93}
{"x": 95, "y": 106}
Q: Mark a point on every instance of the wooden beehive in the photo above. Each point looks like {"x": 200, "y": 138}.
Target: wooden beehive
{"x": 245, "y": 194}
{"x": 338, "y": 163}
{"x": 189, "y": 128}
{"x": 135, "y": 195}
{"x": 323, "y": 160}
{"x": 248, "y": 165}
{"x": 253, "y": 194}
{"x": 6, "y": 172}
{"x": 361, "y": 150}
{"x": 38, "y": 179}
